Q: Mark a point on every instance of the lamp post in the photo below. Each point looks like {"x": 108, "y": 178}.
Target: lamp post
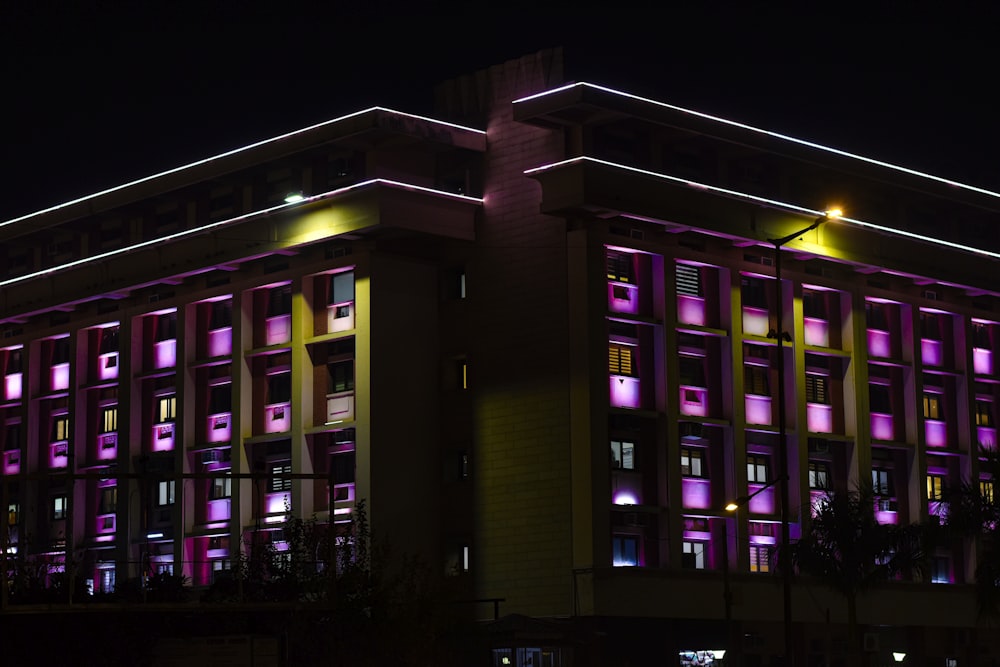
{"x": 786, "y": 571}
{"x": 733, "y": 647}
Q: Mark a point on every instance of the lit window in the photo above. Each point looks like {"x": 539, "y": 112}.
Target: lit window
{"x": 60, "y": 507}
{"x": 935, "y": 487}
{"x": 623, "y": 455}
{"x": 760, "y": 558}
{"x": 757, "y": 469}
{"x": 222, "y": 486}
{"x": 60, "y": 428}
{"x": 278, "y": 480}
{"x": 620, "y": 267}
{"x": 882, "y": 482}
{"x": 109, "y": 500}
{"x": 693, "y": 555}
{"x": 688, "y": 280}
{"x": 109, "y": 419}
{"x": 165, "y": 493}
{"x": 692, "y": 460}
{"x": 166, "y": 409}
{"x": 817, "y": 389}
{"x": 940, "y": 570}
{"x": 984, "y": 413}
{"x": 932, "y": 406}
{"x": 819, "y": 475}
{"x": 621, "y": 359}
{"x": 986, "y": 490}
{"x": 625, "y": 551}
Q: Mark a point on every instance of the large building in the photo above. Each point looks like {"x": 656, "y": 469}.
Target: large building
{"x": 538, "y": 334}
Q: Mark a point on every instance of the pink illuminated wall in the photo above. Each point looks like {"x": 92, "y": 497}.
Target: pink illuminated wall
{"x": 278, "y": 502}
{"x": 819, "y": 418}
{"x": 220, "y": 428}
{"x": 691, "y": 310}
{"x": 982, "y": 361}
{"x": 107, "y": 366}
{"x": 886, "y": 517}
{"x": 758, "y": 410}
{"x": 59, "y": 377}
{"x": 278, "y": 329}
{"x": 218, "y": 510}
{"x": 58, "y": 455}
{"x": 879, "y": 344}
{"x": 931, "y": 352}
{"x": 165, "y": 353}
{"x": 882, "y": 427}
{"x": 12, "y": 462}
{"x": 107, "y": 446}
{"x": 987, "y": 437}
{"x": 817, "y": 332}
{"x": 694, "y": 401}
{"x": 623, "y": 298}
{"x": 755, "y": 321}
{"x": 277, "y": 418}
{"x": 220, "y": 342}
{"x": 12, "y": 386}
{"x": 936, "y": 433}
{"x": 696, "y": 493}
{"x": 763, "y": 502}
{"x": 625, "y": 392}
{"x": 163, "y": 437}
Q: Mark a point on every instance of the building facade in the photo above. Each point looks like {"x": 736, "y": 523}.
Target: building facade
{"x": 538, "y": 335}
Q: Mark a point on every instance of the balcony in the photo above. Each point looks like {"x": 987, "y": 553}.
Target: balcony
{"x": 987, "y": 437}
{"x": 625, "y": 392}
{"x": 758, "y": 410}
{"x": 694, "y": 401}
{"x": 219, "y": 427}
{"x": 879, "y": 344}
{"x": 696, "y": 493}
{"x": 931, "y": 352}
{"x": 819, "y": 418}
{"x": 761, "y": 498}
{"x": 12, "y": 462}
{"x": 339, "y": 407}
{"x": 163, "y": 437}
{"x": 883, "y": 427}
{"x": 107, "y": 446}
{"x": 756, "y": 321}
{"x": 340, "y": 317}
{"x": 691, "y": 310}
{"x": 58, "y": 454}
{"x": 59, "y": 377}
{"x": 107, "y": 366}
{"x": 982, "y": 361}
{"x": 219, "y": 342}
{"x": 886, "y": 511}
{"x": 165, "y": 353}
{"x": 817, "y": 332}
{"x": 12, "y": 387}
{"x": 623, "y": 298}
{"x": 278, "y": 417}
{"x": 626, "y": 488}
{"x": 218, "y": 510}
{"x": 278, "y": 329}
{"x": 936, "y": 433}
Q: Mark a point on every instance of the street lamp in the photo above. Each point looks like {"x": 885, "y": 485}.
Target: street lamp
{"x": 727, "y": 591}
{"x": 786, "y": 570}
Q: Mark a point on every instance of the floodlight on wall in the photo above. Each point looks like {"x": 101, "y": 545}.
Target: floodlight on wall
{"x": 294, "y": 197}
{"x": 898, "y": 656}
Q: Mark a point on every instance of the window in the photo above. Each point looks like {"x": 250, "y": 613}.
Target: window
{"x": 165, "y": 493}
{"x": 109, "y": 419}
{"x": 620, "y": 267}
{"x": 109, "y": 340}
{"x": 342, "y": 287}
{"x": 930, "y": 326}
{"x": 220, "y": 569}
{"x": 935, "y": 487}
{"x": 220, "y": 398}
{"x": 757, "y": 467}
{"x": 60, "y": 507}
{"x": 984, "y": 413}
{"x": 13, "y": 512}
{"x": 688, "y": 280}
{"x": 60, "y": 428}
{"x": 621, "y": 359}
{"x": 882, "y": 482}
{"x": 625, "y": 551}
{"x": 754, "y": 292}
{"x": 166, "y": 409}
{"x": 814, "y": 305}
{"x": 221, "y": 316}
{"x": 692, "y": 462}
{"x": 756, "y": 380}
{"x": 932, "y": 406}
{"x": 60, "y": 351}
{"x": 817, "y": 389}
{"x": 13, "y": 362}
{"x": 693, "y": 555}
{"x": 760, "y": 558}
{"x": 819, "y": 475}
{"x": 623, "y": 455}
{"x": 692, "y": 371}
{"x": 940, "y": 570}
{"x": 279, "y": 301}
{"x": 109, "y": 500}
{"x": 166, "y": 326}
{"x": 880, "y": 398}
{"x": 279, "y": 388}
{"x": 981, "y": 336}
{"x": 278, "y": 482}
{"x": 875, "y": 316}
{"x": 222, "y": 487}
{"x": 986, "y": 490}
{"x": 342, "y": 467}
{"x": 12, "y": 437}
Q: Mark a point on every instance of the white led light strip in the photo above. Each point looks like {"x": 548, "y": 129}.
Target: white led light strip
{"x": 223, "y": 223}
{"x": 766, "y": 201}
{"x": 234, "y": 151}
{"x": 776, "y": 135}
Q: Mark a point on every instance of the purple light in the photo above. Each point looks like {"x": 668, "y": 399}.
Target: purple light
{"x": 886, "y": 517}
{"x": 625, "y": 497}
{"x": 107, "y": 366}
{"x": 12, "y": 386}
{"x": 755, "y": 321}
{"x": 625, "y": 392}
{"x": 105, "y": 523}
{"x": 107, "y": 446}
{"x": 165, "y": 353}
{"x": 759, "y": 410}
{"x": 763, "y": 502}
{"x": 220, "y": 427}
{"x": 882, "y": 427}
{"x": 278, "y": 330}
{"x": 931, "y": 352}
{"x": 58, "y": 455}
{"x": 817, "y": 332}
{"x": 163, "y": 437}
{"x": 819, "y": 418}
{"x": 936, "y": 433}
{"x": 987, "y": 437}
{"x": 218, "y": 510}
{"x": 694, "y": 401}
{"x": 696, "y": 493}
{"x": 879, "y": 344}
{"x": 59, "y": 377}
{"x": 11, "y": 462}
{"x": 279, "y": 502}
{"x": 623, "y": 298}
{"x": 220, "y": 342}
{"x": 691, "y": 310}
{"x": 277, "y": 417}
{"x": 982, "y": 361}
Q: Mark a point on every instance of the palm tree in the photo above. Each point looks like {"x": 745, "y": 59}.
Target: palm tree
{"x": 851, "y": 552}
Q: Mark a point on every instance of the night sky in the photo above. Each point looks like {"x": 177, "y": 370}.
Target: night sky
{"x": 98, "y": 93}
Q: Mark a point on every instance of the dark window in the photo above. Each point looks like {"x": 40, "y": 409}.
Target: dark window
{"x": 930, "y": 326}
{"x": 688, "y": 280}
{"x": 341, "y": 376}
{"x": 279, "y": 388}
{"x": 60, "y": 351}
{"x": 882, "y": 482}
{"x": 109, "y": 340}
{"x": 814, "y": 305}
{"x": 279, "y": 301}
{"x": 109, "y": 500}
{"x": 981, "y": 336}
{"x": 754, "y": 292}
{"x": 875, "y": 316}
{"x": 756, "y": 380}
{"x": 620, "y": 267}
{"x": 166, "y": 326}
{"x": 692, "y": 370}
{"x": 277, "y": 482}
{"x": 222, "y": 315}
{"x": 817, "y": 389}
{"x": 342, "y": 468}
{"x": 880, "y": 398}
{"x": 342, "y": 287}
{"x": 220, "y": 398}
